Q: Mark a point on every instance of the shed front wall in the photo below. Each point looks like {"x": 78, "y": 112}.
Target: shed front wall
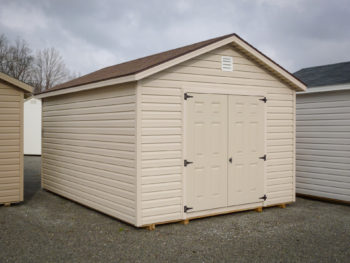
{"x": 11, "y": 144}
{"x": 161, "y": 138}
{"x": 88, "y": 149}
{"x": 323, "y": 145}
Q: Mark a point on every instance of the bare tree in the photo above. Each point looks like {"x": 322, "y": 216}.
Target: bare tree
{"x": 15, "y": 60}
{"x": 43, "y": 71}
{"x": 48, "y": 69}
{"x": 3, "y": 52}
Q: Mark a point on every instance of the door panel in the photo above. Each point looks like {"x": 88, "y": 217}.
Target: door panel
{"x": 246, "y": 145}
{"x": 206, "y": 143}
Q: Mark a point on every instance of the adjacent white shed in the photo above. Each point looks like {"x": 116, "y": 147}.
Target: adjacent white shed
{"x": 195, "y": 131}
{"x": 32, "y": 126}
{"x": 323, "y": 133}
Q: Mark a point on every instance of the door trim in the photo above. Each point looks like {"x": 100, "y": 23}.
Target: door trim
{"x": 221, "y": 91}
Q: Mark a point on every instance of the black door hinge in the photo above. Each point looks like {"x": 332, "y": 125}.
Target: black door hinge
{"x": 186, "y": 208}
{"x": 186, "y": 163}
{"x": 263, "y": 157}
{"x": 264, "y": 99}
{"x": 263, "y": 197}
{"x": 186, "y": 96}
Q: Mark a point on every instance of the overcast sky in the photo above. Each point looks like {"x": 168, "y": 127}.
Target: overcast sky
{"x": 94, "y": 34}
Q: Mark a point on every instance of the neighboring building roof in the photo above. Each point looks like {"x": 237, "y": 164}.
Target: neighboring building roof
{"x": 15, "y": 82}
{"x": 143, "y": 67}
{"x": 333, "y": 74}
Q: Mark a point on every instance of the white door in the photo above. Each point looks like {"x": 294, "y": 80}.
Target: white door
{"x": 246, "y": 146}
{"x": 206, "y": 147}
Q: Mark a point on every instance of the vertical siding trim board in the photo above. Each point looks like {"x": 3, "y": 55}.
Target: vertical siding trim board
{"x": 294, "y": 145}
{"x": 21, "y": 168}
{"x": 138, "y": 153}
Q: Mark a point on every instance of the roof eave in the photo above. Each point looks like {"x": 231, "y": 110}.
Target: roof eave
{"x": 89, "y": 86}
{"x": 17, "y": 83}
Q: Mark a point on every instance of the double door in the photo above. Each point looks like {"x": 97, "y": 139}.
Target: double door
{"x": 225, "y": 143}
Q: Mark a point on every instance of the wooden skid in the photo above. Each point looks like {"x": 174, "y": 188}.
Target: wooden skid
{"x": 151, "y": 227}
{"x": 326, "y": 199}
{"x": 259, "y": 209}
{"x": 187, "y": 221}
{"x": 7, "y": 204}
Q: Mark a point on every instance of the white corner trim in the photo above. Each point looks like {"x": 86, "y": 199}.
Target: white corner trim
{"x": 95, "y": 85}
{"x": 326, "y": 89}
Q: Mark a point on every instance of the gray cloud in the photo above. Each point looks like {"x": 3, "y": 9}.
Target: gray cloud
{"x": 94, "y": 34}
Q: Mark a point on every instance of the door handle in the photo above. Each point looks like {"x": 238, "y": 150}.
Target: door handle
{"x": 230, "y": 160}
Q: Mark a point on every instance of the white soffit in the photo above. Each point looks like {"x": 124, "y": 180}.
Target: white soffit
{"x": 326, "y": 89}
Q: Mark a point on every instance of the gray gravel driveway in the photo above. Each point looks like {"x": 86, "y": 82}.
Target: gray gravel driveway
{"x": 49, "y": 228}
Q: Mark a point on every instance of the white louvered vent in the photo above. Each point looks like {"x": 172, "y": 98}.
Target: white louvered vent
{"x": 226, "y": 63}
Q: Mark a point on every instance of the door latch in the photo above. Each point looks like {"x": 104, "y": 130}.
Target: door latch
{"x": 230, "y": 160}
{"x": 186, "y": 163}
{"x": 186, "y": 208}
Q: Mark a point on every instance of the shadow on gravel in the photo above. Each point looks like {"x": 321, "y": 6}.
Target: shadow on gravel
{"x": 32, "y": 177}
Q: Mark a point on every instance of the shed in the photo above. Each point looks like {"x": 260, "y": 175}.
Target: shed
{"x": 199, "y": 130}
{"x": 323, "y": 133}
{"x": 12, "y": 94}
{"x": 32, "y": 126}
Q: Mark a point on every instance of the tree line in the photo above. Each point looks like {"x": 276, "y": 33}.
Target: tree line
{"x": 43, "y": 69}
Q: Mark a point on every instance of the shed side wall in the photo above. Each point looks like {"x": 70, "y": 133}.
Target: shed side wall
{"x": 88, "y": 151}
{"x": 323, "y": 145}
{"x": 11, "y": 170}
{"x": 162, "y": 128}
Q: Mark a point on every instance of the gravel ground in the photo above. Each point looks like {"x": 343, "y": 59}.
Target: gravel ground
{"x": 48, "y": 228}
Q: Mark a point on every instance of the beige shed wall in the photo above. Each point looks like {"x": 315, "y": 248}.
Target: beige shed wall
{"x": 161, "y": 135}
{"x": 88, "y": 149}
{"x": 11, "y": 144}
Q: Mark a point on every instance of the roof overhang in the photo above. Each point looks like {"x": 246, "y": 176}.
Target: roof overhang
{"x": 14, "y": 82}
{"x": 235, "y": 40}
{"x": 329, "y": 88}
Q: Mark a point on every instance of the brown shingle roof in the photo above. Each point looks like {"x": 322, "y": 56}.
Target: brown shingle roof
{"x": 135, "y": 66}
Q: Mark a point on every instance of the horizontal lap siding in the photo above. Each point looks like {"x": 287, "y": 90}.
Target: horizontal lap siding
{"x": 323, "y": 145}
{"x": 11, "y": 179}
{"x": 89, "y": 151}
{"x": 162, "y": 125}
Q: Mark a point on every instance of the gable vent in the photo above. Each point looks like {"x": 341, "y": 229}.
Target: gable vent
{"x": 226, "y": 63}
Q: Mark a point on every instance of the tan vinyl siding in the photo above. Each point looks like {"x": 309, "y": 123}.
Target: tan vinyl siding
{"x": 11, "y": 159}
{"x": 162, "y": 129}
{"x": 323, "y": 145}
{"x": 89, "y": 149}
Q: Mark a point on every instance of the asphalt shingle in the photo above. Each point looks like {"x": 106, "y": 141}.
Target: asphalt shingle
{"x": 332, "y": 74}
